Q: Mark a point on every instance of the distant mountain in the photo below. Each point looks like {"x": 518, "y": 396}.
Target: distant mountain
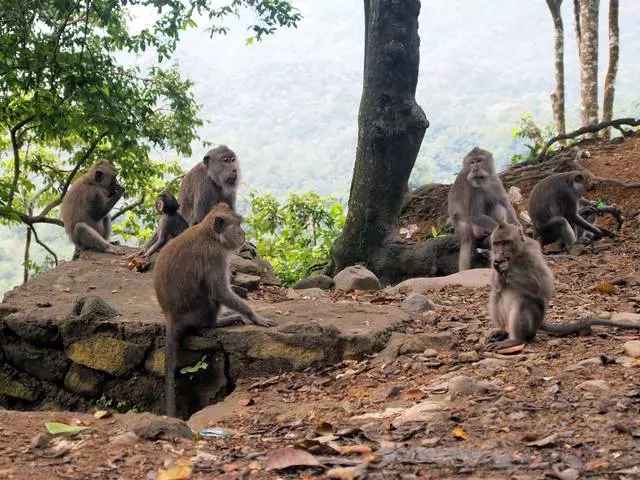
{"x": 289, "y": 104}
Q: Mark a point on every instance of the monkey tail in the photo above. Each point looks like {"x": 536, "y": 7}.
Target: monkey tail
{"x": 583, "y": 325}
{"x": 170, "y": 358}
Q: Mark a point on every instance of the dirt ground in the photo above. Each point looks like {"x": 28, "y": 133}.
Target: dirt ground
{"x": 561, "y": 408}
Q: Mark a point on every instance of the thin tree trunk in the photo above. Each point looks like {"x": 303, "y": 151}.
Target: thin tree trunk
{"x": 612, "y": 69}
{"x": 577, "y": 27}
{"x": 391, "y": 126}
{"x": 557, "y": 97}
{"x": 589, "y": 62}
{"x": 27, "y": 246}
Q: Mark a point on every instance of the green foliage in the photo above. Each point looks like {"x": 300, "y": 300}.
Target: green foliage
{"x": 67, "y": 101}
{"x": 527, "y": 129}
{"x": 295, "y": 235}
{"x": 192, "y": 370}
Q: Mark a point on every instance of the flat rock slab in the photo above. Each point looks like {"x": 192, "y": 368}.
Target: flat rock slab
{"x": 474, "y": 278}
{"x": 51, "y": 295}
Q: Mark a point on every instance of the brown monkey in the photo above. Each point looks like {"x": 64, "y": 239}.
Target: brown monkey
{"x": 522, "y": 287}
{"x": 210, "y": 182}
{"x": 191, "y": 280}
{"x": 86, "y": 207}
{"x": 170, "y": 226}
{"x": 477, "y": 201}
{"x": 556, "y": 206}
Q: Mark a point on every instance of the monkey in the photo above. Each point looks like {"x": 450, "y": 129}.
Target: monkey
{"x": 191, "y": 281}
{"x": 170, "y": 226}
{"x": 590, "y": 211}
{"x": 555, "y": 207}
{"x": 477, "y": 200}
{"x": 211, "y": 181}
{"x": 86, "y": 207}
{"x": 522, "y": 285}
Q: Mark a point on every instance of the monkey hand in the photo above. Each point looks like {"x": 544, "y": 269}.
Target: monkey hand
{"x": 501, "y": 266}
{"x": 133, "y": 255}
{"x": 264, "y": 322}
{"x": 608, "y": 233}
{"x": 117, "y": 190}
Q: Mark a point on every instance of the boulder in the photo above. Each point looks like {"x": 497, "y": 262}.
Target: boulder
{"x": 248, "y": 282}
{"x": 315, "y": 281}
{"x": 15, "y": 389}
{"x": 474, "y": 278}
{"x": 416, "y": 303}
{"x": 83, "y": 380}
{"x": 42, "y": 363}
{"x": 356, "y": 277}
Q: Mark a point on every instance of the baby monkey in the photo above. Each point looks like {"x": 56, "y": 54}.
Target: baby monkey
{"x": 191, "y": 280}
{"x": 522, "y": 286}
{"x": 170, "y": 226}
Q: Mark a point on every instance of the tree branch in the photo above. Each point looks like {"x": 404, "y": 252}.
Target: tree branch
{"x": 632, "y": 122}
{"x": 16, "y": 156}
{"x": 127, "y": 208}
{"x": 43, "y": 245}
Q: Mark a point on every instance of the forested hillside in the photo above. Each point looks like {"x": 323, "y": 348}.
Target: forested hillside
{"x": 289, "y": 104}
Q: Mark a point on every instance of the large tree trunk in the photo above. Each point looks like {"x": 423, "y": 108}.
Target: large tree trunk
{"x": 612, "y": 69}
{"x": 557, "y": 97}
{"x": 589, "y": 62}
{"x": 576, "y": 26}
{"x": 391, "y": 126}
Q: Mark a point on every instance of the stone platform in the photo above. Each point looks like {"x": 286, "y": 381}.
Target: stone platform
{"x": 92, "y": 330}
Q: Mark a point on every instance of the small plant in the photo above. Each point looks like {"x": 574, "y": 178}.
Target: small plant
{"x": 104, "y": 402}
{"x": 296, "y": 235}
{"x": 527, "y": 129}
{"x": 193, "y": 370}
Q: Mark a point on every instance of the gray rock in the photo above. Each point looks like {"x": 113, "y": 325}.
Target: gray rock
{"x": 315, "y": 281}
{"x": 127, "y": 438}
{"x": 632, "y": 348}
{"x": 94, "y": 308}
{"x": 43, "y": 363}
{"x": 40, "y": 440}
{"x": 151, "y": 427}
{"x": 108, "y": 354}
{"x": 491, "y": 366}
{"x": 474, "y": 278}
{"x": 401, "y": 344}
{"x": 312, "y": 293}
{"x": 356, "y": 277}
{"x": 42, "y": 333}
{"x": 250, "y": 282}
{"x": 462, "y": 385}
{"x": 594, "y": 386}
{"x": 471, "y": 356}
{"x": 430, "y": 353}
{"x": 416, "y": 303}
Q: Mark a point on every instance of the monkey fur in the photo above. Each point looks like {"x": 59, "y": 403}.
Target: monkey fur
{"x": 556, "y": 206}
{"x": 522, "y": 286}
{"x": 170, "y": 226}
{"x": 191, "y": 280}
{"x": 477, "y": 201}
{"x": 210, "y": 182}
{"x": 86, "y": 207}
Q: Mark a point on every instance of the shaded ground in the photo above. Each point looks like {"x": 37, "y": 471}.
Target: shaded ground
{"x": 534, "y": 418}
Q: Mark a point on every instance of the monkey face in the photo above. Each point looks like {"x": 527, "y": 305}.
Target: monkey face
{"x": 480, "y": 167}
{"x": 222, "y": 166}
{"x": 159, "y": 205}
{"x": 166, "y": 204}
{"x": 226, "y": 227}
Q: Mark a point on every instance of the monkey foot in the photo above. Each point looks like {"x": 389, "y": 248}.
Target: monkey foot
{"x": 503, "y": 344}
{"x": 264, "y": 322}
{"x": 496, "y": 336}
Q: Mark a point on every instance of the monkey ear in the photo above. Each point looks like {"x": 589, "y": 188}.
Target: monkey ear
{"x": 205, "y": 160}
{"x": 218, "y": 224}
{"x": 98, "y": 176}
{"x": 160, "y": 205}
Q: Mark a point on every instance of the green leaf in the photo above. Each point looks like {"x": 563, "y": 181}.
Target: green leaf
{"x": 249, "y": 41}
{"x": 62, "y": 429}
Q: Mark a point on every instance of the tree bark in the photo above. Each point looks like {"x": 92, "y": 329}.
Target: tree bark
{"x": 391, "y": 126}
{"x": 577, "y": 27}
{"x": 589, "y": 62}
{"x": 557, "y": 97}
{"x": 612, "y": 69}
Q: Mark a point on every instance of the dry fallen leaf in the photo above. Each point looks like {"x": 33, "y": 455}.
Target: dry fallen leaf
{"x": 245, "y": 402}
{"x": 606, "y": 288}
{"x": 459, "y": 434}
{"x": 594, "y": 465}
{"x": 324, "y": 428}
{"x": 544, "y": 442}
{"x": 346, "y": 473}
{"x": 290, "y": 457}
{"x": 359, "y": 448}
{"x": 413, "y": 394}
{"x": 514, "y": 349}
{"x": 101, "y": 414}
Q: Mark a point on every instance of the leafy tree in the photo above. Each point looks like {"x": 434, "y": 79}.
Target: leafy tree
{"x": 294, "y": 236}
{"x": 527, "y": 129}
{"x": 66, "y": 101}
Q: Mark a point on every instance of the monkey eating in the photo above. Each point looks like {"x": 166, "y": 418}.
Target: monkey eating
{"x": 557, "y": 206}
{"x": 210, "y": 182}
{"x": 170, "y": 226}
{"x": 86, "y": 207}
{"x": 522, "y": 285}
{"x": 191, "y": 280}
{"x": 477, "y": 201}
